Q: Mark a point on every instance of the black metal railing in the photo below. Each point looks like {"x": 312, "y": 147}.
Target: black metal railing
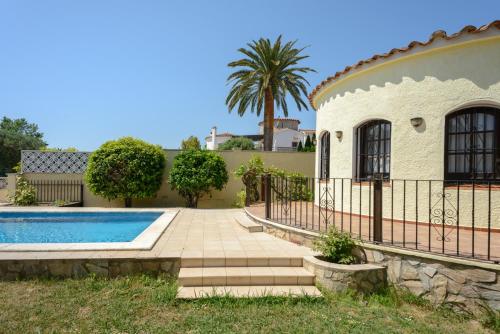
{"x": 64, "y": 191}
{"x": 455, "y": 218}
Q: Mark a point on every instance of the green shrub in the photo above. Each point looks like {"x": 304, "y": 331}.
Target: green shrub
{"x": 296, "y": 183}
{"x": 241, "y": 197}
{"x": 191, "y": 143}
{"x": 59, "y": 202}
{"x": 241, "y": 143}
{"x": 25, "y": 193}
{"x": 336, "y": 246}
{"x": 125, "y": 168}
{"x": 195, "y": 173}
{"x": 290, "y": 186}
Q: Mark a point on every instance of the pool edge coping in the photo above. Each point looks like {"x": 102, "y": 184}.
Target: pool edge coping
{"x": 145, "y": 241}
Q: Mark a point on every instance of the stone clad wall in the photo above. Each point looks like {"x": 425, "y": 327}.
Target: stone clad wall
{"x": 440, "y": 281}
{"x": 77, "y": 268}
{"x": 366, "y": 278}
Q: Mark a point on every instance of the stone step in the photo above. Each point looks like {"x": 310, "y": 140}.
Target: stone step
{"x": 238, "y": 276}
{"x": 250, "y": 261}
{"x": 248, "y": 224}
{"x": 193, "y": 292}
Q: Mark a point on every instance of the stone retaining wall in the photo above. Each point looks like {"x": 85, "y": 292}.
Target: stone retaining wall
{"x": 440, "y": 281}
{"x": 463, "y": 283}
{"x": 365, "y": 278}
{"x": 78, "y": 268}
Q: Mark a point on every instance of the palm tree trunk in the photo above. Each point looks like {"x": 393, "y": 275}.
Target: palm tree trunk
{"x": 268, "y": 120}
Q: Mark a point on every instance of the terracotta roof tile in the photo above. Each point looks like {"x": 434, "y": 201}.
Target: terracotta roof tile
{"x": 439, "y": 34}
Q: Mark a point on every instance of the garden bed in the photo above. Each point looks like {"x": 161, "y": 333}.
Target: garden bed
{"x": 365, "y": 278}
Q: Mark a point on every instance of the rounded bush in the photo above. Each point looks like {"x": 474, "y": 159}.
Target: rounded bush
{"x": 126, "y": 168}
{"x": 195, "y": 173}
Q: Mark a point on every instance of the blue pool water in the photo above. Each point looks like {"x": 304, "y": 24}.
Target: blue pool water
{"x": 58, "y": 227}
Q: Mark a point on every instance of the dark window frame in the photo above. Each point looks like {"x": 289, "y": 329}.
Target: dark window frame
{"x": 324, "y": 156}
{"x": 364, "y": 156}
{"x": 472, "y": 135}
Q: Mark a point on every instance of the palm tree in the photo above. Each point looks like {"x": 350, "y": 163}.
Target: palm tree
{"x": 264, "y": 77}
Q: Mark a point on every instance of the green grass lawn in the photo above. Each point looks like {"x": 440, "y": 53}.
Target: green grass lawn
{"x": 148, "y": 305}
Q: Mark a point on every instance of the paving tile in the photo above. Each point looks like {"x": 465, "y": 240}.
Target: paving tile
{"x": 214, "y": 276}
{"x": 257, "y": 261}
{"x": 261, "y": 276}
{"x": 192, "y": 262}
{"x": 214, "y": 261}
{"x": 236, "y": 261}
{"x": 190, "y": 277}
{"x": 279, "y": 261}
{"x": 237, "y": 276}
{"x": 284, "y": 275}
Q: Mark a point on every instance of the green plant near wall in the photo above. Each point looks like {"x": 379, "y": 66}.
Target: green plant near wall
{"x": 291, "y": 186}
{"x": 238, "y": 143}
{"x": 195, "y": 173}
{"x": 336, "y": 246}
{"x": 25, "y": 193}
{"x": 241, "y": 197}
{"x": 191, "y": 143}
{"x": 126, "y": 168}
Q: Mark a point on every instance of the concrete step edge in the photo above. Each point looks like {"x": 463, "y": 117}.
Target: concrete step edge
{"x": 248, "y": 291}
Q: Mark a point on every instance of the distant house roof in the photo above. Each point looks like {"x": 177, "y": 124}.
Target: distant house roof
{"x": 437, "y": 35}
{"x": 286, "y": 129}
{"x": 224, "y": 134}
{"x": 282, "y": 119}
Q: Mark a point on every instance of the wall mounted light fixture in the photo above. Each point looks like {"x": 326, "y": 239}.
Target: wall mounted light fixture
{"x": 416, "y": 121}
{"x": 339, "y": 134}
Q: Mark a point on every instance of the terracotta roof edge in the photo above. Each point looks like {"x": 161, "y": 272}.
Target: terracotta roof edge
{"x": 438, "y": 34}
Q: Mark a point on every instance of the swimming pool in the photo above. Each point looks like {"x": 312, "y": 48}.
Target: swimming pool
{"x": 57, "y": 227}
{"x": 73, "y": 229}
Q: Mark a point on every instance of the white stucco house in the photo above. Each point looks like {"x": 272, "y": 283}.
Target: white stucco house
{"x": 425, "y": 118}
{"x": 430, "y": 110}
{"x": 287, "y": 135}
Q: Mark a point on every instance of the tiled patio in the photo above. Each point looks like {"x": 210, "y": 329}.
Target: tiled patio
{"x": 193, "y": 235}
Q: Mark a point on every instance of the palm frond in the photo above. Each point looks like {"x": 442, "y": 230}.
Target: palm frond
{"x": 268, "y": 65}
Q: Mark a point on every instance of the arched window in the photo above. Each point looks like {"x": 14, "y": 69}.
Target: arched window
{"x": 373, "y": 149}
{"x": 324, "y": 158}
{"x": 472, "y": 146}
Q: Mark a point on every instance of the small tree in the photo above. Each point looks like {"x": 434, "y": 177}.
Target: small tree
{"x": 25, "y": 193}
{"x": 191, "y": 143}
{"x": 300, "y": 148}
{"x": 249, "y": 174}
{"x": 125, "y": 168}
{"x": 17, "y": 135}
{"x": 308, "y": 144}
{"x": 197, "y": 172}
{"x": 241, "y": 143}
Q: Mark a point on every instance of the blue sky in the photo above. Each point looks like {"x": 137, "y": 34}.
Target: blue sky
{"x": 89, "y": 71}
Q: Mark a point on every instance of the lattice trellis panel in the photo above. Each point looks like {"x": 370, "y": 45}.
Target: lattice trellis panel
{"x": 54, "y": 162}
